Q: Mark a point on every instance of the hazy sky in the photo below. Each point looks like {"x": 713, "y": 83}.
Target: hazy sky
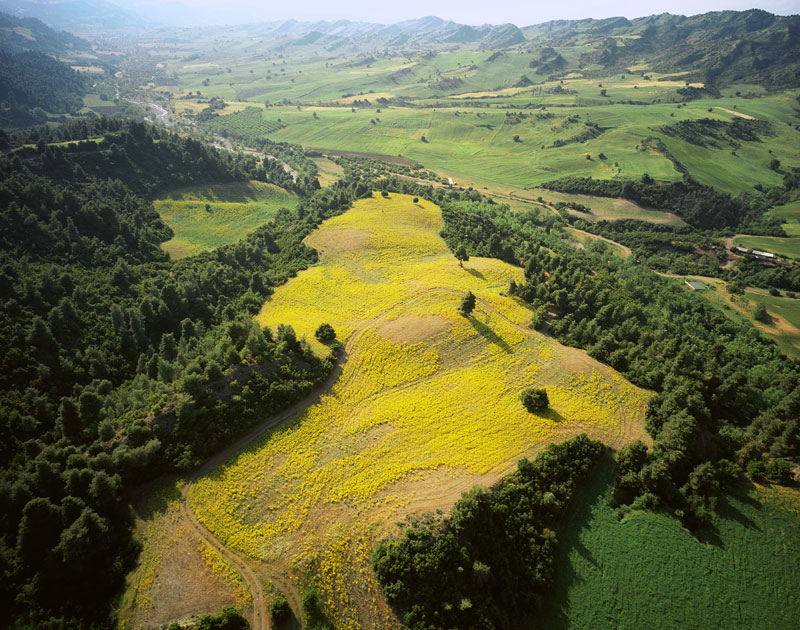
{"x": 519, "y": 12}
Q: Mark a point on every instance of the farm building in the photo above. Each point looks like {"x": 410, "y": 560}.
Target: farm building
{"x": 763, "y": 255}
{"x": 696, "y": 285}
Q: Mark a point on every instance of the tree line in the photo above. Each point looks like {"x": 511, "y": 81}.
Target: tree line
{"x": 119, "y": 364}
{"x": 727, "y": 401}
{"x": 488, "y": 564}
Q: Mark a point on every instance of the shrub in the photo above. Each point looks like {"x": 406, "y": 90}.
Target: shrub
{"x": 312, "y": 610}
{"x": 325, "y": 333}
{"x": 279, "y": 610}
{"x": 535, "y": 399}
{"x": 467, "y": 303}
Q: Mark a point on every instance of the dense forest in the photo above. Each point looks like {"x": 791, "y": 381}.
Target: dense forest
{"x": 32, "y": 84}
{"x": 119, "y": 364}
{"x": 488, "y": 564}
{"x": 19, "y": 34}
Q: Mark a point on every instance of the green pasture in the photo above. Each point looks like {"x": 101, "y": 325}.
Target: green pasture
{"x": 738, "y": 168}
{"x": 207, "y": 217}
{"x": 788, "y": 247}
{"x": 649, "y": 572}
{"x": 605, "y": 209}
{"x": 790, "y": 213}
{"x": 479, "y": 144}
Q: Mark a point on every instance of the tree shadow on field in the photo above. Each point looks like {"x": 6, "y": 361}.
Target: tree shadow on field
{"x": 475, "y": 272}
{"x": 290, "y": 623}
{"x": 572, "y": 528}
{"x": 728, "y": 511}
{"x": 488, "y": 334}
{"x": 155, "y": 497}
{"x": 551, "y": 414}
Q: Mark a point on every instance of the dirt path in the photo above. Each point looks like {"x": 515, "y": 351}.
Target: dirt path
{"x": 626, "y": 251}
{"x": 735, "y": 113}
{"x": 222, "y": 144}
{"x": 260, "y": 619}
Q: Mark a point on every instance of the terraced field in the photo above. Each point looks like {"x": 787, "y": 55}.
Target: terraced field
{"x": 207, "y": 217}
{"x": 426, "y": 406}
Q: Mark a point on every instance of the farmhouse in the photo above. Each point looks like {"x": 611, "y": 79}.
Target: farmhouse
{"x": 696, "y": 285}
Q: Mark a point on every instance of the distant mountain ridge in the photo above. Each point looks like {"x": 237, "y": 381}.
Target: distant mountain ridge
{"x": 76, "y": 15}
{"x": 29, "y": 34}
{"x": 423, "y": 32}
{"x": 719, "y": 48}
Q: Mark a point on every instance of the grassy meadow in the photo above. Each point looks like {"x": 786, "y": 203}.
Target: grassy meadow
{"x": 427, "y": 404}
{"x": 207, "y": 217}
{"x": 647, "y": 571}
{"x": 787, "y": 247}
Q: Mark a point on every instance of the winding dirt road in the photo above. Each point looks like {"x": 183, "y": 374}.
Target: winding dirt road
{"x": 254, "y": 585}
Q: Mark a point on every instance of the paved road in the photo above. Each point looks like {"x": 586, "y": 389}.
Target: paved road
{"x": 161, "y": 113}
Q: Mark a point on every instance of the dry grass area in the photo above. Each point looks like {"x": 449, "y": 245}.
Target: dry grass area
{"x": 329, "y": 172}
{"x": 427, "y": 404}
{"x": 178, "y": 576}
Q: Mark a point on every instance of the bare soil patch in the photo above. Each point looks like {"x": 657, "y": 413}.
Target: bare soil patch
{"x": 411, "y": 329}
{"x": 735, "y": 113}
{"x": 183, "y": 585}
{"x": 333, "y": 241}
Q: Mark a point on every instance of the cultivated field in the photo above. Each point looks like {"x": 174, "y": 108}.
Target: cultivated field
{"x": 426, "y": 407}
{"x": 207, "y": 217}
{"x": 649, "y": 572}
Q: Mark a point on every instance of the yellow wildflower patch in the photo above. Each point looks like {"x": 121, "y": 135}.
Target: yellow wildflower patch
{"x": 426, "y": 394}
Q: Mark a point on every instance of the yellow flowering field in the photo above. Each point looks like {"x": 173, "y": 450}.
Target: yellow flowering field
{"x": 177, "y": 573}
{"x": 427, "y": 403}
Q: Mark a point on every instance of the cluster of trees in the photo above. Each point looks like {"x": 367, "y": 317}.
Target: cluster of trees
{"x": 727, "y": 400}
{"x": 368, "y": 168}
{"x": 32, "y": 84}
{"x": 718, "y": 133}
{"x": 684, "y": 250}
{"x": 700, "y": 206}
{"x": 117, "y": 364}
{"x": 489, "y": 563}
{"x": 251, "y": 133}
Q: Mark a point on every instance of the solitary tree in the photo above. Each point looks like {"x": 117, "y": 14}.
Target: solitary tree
{"x": 461, "y": 255}
{"x": 761, "y": 313}
{"x": 535, "y": 399}
{"x": 467, "y": 303}
{"x": 325, "y": 333}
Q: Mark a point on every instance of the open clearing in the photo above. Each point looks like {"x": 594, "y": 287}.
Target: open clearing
{"x": 784, "y": 313}
{"x": 207, "y": 217}
{"x": 649, "y": 572}
{"x": 157, "y": 592}
{"x": 789, "y": 247}
{"x": 426, "y": 406}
